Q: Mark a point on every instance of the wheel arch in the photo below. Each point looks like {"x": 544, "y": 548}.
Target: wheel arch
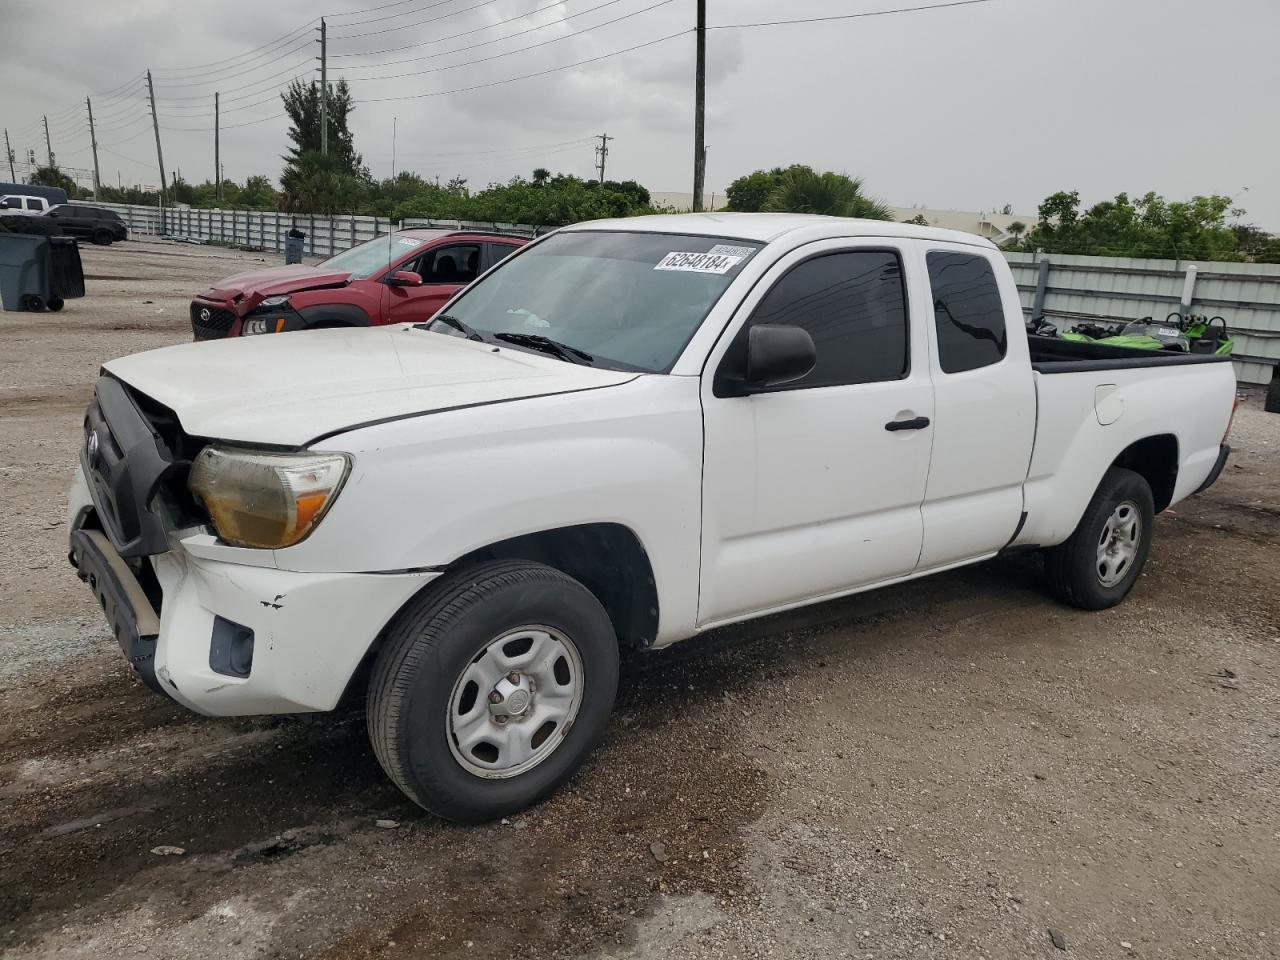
{"x": 1155, "y": 459}
{"x": 322, "y": 315}
{"x": 609, "y": 559}
{"x": 606, "y": 558}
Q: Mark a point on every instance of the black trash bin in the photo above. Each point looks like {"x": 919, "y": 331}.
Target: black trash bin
{"x": 37, "y": 270}
{"x": 25, "y": 269}
{"x": 66, "y": 279}
{"x": 294, "y": 246}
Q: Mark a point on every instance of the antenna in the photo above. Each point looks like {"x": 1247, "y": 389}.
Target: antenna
{"x": 391, "y": 231}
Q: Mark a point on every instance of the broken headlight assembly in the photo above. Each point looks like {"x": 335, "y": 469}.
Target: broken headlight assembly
{"x": 272, "y": 323}
{"x": 266, "y": 500}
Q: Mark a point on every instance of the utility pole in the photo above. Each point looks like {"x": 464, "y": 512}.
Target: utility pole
{"x": 699, "y": 107}
{"x": 217, "y": 157}
{"x": 47, "y": 145}
{"x": 93, "y": 141}
{"x": 155, "y": 124}
{"x": 8, "y": 154}
{"x": 602, "y": 153}
{"x": 324, "y": 89}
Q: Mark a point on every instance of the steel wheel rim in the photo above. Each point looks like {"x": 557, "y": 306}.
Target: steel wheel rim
{"x": 1118, "y": 544}
{"x": 514, "y": 702}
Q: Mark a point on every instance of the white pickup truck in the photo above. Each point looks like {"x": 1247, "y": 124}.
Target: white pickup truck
{"x": 625, "y": 434}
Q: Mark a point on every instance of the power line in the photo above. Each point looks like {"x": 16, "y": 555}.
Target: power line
{"x": 510, "y": 36}
{"x": 261, "y": 82}
{"x": 464, "y": 33}
{"x": 222, "y": 66}
{"x": 530, "y": 76}
{"x": 846, "y": 16}
{"x": 508, "y": 53}
{"x": 215, "y": 80}
{"x": 418, "y": 23}
{"x": 392, "y": 16}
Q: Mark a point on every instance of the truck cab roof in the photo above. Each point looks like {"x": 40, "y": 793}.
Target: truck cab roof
{"x": 767, "y": 227}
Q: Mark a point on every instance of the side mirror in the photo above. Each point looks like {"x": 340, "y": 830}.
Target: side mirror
{"x": 777, "y": 354}
{"x": 405, "y": 278}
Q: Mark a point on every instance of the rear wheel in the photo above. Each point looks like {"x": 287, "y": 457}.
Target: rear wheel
{"x": 492, "y": 688}
{"x": 33, "y": 303}
{"x": 55, "y": 304}
{"x": 1098, "y": 566}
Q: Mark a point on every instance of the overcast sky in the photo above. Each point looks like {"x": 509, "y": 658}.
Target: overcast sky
{"x": 971, "y": 107}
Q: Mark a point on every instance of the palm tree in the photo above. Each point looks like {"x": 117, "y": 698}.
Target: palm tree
{"x": 1015, "y": 231}
{"x": 541, "y": 175}
{"x": 801, "y": 190}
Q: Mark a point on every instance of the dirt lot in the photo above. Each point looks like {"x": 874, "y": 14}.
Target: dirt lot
{"x": 948, "y": 768}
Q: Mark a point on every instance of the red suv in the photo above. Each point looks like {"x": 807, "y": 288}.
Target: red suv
{"x": 404, "y": 277}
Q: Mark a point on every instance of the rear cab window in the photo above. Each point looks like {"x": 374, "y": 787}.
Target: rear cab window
{"x": 968, "y": 313}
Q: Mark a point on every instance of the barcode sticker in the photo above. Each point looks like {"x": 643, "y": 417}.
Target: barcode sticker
{"x": 698, "y": 262}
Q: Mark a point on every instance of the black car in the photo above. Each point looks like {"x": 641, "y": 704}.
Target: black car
{"x": 94, "y": 223}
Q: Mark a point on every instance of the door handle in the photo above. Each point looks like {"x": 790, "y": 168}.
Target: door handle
{"x": 915, "y": 423}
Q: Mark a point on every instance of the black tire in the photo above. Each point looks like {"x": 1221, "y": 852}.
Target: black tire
{"x": 436, "y": 637}
{"x": 55, "y": 304}
{"x": 1072, "y": 567}
{"x": 33, "y": 303}
{"x": 103, "y": 238}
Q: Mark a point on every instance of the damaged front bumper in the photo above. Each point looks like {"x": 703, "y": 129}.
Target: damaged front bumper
{"x": 229, "y": 637}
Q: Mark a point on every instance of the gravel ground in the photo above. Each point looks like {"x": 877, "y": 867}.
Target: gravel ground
{"x": 953, "y": 767}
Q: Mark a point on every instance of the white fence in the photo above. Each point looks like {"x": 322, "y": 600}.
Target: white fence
{"x": 266, "y": 229}
{"x": 1246, "y": 295}
{"x": 1062, "y": 288}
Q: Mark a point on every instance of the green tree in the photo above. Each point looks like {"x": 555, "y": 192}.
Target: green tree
{"x": 801, "y": 190}
{"x": 749, "y": 193}
{"x": 919, "y": 220}
{"x": 302, "y": 104}
{"x": 54, "y": 177}
{"x": 321, "y": 184}
{"x": 1150, "y": 226}
{"x": 541, "y": 175}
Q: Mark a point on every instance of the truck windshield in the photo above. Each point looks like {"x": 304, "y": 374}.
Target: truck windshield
{"x": 628, "y": 300}
{"x": 369, "y": 257}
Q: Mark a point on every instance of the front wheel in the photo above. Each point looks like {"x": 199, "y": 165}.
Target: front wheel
{"x": 103, "y": 238}
{"x": 1098, "y": 566}
{"x": 492, "y": 688}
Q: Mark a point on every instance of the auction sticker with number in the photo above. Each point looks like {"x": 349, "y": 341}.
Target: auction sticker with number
{"x": 729, "y": 250}
{"x": 698, "y": 262}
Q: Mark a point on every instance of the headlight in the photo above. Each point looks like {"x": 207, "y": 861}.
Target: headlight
{"x": 274, "y": 302}
{"x": 255, "y": 325}
{"x": 267, "y": 500}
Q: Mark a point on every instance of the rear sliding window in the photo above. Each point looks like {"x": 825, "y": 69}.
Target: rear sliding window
{"x": 967, "y": 311}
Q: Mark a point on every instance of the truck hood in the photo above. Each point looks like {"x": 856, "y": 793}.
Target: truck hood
{"x": 275, "y": 281}
{"x": 290, "y": 389}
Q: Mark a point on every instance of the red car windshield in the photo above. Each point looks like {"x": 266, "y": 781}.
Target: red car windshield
{"x": 373, "y": 255}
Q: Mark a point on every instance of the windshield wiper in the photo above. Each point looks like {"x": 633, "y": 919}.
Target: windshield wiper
{"x": 537, "y": 341}
{"x": 471, "y": 333}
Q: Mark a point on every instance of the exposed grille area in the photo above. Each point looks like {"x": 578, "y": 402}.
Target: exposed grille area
{"x": 132, "y": 455}
{"x": 209, "y": 322}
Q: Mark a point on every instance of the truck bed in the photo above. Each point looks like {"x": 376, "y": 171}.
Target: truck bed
{"x": 1054, "y": 355}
